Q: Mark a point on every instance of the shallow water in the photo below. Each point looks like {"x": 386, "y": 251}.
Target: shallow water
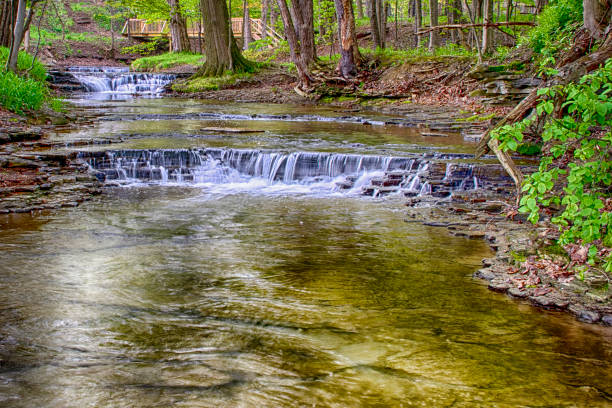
{"x": 271, "y": 296}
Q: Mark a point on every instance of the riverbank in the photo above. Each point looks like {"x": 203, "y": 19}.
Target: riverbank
{"x": 33, "y": 177}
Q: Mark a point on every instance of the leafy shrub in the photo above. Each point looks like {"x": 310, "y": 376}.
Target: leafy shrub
{"x": 575, "y": 172}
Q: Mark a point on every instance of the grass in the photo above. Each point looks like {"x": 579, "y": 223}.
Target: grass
{"x": 28, "y": 90}
{"x": 48, "y": 37}
{"x": 167, "y": 60}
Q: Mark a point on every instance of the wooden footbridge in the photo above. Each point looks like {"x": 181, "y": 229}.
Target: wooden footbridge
{"x": 143, "y": 29}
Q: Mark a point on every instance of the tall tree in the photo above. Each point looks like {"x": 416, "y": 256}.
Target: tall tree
{"x": 8, "y": 11}
{"x": 179, "y": 40}
{"x": 349, "y": 51}
{"x": 220, "y": 48}
{"x": 377, "y": 16}
{"x": 22, "y": 23}
{"x": 264, "y": 19}
{"x": 246, "y": 25}
{"x": 487, "y": 32}
{"x": 418, "y": 20}
{"x": 303, "y": 24}
{"x": 433, "y": 16}
{"x": 295, "y": 47}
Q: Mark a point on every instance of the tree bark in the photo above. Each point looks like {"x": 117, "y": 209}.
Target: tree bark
{"x": 487, "y": 32}
{"x": 18, "y": 32}
{"x": 375, "y": 10}
{"x": 220, "y": 47}
{"x": 246, "y": 25}
{"x": 304, "y": 28}
{"x": 8, "y": 12}
{"x": 433, "y": 35}
{"x": 418, "y": 21}
{"x": 178, "y": 28}
{"x": 596, "y": 16}
{"x": 295, "y": 48}
{"x": 264, "y": 19}
{"x": 349, "y": 52}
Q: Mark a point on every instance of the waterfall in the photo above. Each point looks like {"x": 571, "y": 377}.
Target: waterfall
{"x": 117, "y": 80}
{"x": 333, "y": 172}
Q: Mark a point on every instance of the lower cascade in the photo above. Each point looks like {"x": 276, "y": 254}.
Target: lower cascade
{"x": 120, "y": 80}
{"x": 362, "y": 174}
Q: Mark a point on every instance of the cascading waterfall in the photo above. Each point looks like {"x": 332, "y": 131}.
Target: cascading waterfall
{"x": 331, "y": 172}
{"x": 119, "y": 80}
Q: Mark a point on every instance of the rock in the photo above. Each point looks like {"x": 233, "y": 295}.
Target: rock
{"x": 607, "y": 320}
{"x": 518, "y": 293}
{"x": 485, "y": 273}
{"x": 543, "y": 301}
{"x": 584, "y": 315}
{"x": 498, "y": 286}
{"x": 70, "y": 204}
{"x": 14, "y": 162}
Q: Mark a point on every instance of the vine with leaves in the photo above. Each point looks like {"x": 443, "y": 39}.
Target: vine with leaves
{"x": 574, "y": 179}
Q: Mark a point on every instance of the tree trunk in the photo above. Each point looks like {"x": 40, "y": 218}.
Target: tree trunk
{"x": 596, "y": 16}
{"x": 381, "y": 13}
{"x": 375, "y": 9}
{"x": 246, "y": 25}
{"x": 477, "y": 9}
{"x": 487, "y": 32}
{"x": 360, "y": 8}
{"x": 220, "y": 47}
{"x": 508, "y": 10}
{"x": 304, "y": 26}
{"x": 433, "y": 35}
{"x": 178, "y": 28}
{"x": 264, "y": 19}
{"x": 8, "y": 12}
{"x": 418, "y": 21}
{"x": 294, "y": 46}
{"x": 18, "y": 32}
{"x": 349, "y": 52}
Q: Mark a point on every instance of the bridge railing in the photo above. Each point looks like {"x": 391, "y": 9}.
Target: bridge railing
{"x": 135, "y": 27}
{"x": 142, "y": 27}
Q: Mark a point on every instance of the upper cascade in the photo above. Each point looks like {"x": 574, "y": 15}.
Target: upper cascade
{"x": 120, "y": 80}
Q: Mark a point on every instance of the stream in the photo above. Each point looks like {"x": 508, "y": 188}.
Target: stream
{"x": 266, "y": 268}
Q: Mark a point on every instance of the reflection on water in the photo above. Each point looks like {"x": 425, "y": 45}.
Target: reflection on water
{"x": 165, "y": 297}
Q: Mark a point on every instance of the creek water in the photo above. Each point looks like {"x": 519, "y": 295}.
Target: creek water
{"x": 267, "y": 291}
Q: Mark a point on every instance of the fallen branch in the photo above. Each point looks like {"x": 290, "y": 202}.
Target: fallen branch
{"x": 472, "y": 25}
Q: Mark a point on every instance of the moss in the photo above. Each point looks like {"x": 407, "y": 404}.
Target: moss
{"x": 201, "y": 84}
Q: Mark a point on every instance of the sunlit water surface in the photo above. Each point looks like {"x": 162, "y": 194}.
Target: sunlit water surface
{"x": 192, "y": 296}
